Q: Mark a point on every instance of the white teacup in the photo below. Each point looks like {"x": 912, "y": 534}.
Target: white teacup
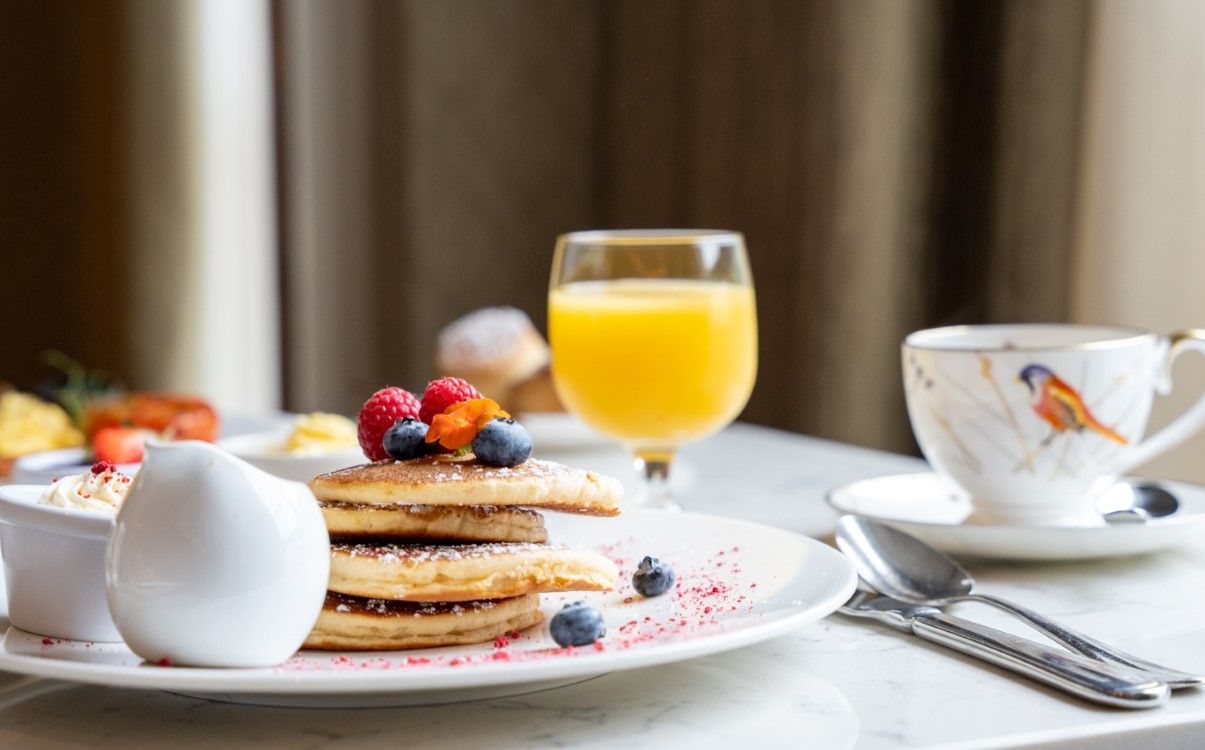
{"x": 1035, "y": 421}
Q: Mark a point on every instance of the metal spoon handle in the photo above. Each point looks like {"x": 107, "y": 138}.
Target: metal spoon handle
{"x": 1092, "y": 680}
{"x": 1089, "y": 646}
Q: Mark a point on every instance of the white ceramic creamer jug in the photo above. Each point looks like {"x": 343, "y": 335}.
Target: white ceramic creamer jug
{"x": 213, "y": 562}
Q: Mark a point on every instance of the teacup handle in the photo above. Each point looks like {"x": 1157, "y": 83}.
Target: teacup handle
{"x": 1184, "y": 426}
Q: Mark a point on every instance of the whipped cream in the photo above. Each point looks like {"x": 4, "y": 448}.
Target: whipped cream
{"x": 318, "y": 433}
{"x": 103, "y": 488}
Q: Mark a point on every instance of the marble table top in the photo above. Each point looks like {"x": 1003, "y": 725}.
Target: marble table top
{"x": 833, "y": 684}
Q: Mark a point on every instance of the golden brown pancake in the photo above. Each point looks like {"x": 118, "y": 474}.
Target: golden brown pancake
{"x": 349, "y": 623}
{"x": 440, "y": 480}
{"x": 463, "y": 572}
{"x": 432, "y": 523}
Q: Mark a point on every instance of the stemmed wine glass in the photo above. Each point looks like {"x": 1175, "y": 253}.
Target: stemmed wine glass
{"x": 654, "y": 339}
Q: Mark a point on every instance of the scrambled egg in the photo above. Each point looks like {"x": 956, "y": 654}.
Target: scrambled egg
{"x": 29, "y": 424}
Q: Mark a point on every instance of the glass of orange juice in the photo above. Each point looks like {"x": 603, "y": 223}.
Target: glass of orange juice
{"x": 654, "y": 339}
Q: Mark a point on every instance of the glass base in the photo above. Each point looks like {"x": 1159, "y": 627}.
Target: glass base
{"x": 656, "y": 494}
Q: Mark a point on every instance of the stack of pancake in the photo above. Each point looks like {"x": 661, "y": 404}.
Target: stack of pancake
{"x": 439, "y": 551}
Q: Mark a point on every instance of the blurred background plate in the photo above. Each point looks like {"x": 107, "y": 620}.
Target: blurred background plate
{"x": 560, "y": 431}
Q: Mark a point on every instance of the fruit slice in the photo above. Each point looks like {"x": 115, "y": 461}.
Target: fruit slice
{"x": 177, "y": 417}
{"x": 120, "y": 445}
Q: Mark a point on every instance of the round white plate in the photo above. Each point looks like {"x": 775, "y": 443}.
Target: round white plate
{"x": 263, "y": 450}
{"x": 935, "y": 510}
{"x": 738, "y": 583}
{"x": 44, "y": 467}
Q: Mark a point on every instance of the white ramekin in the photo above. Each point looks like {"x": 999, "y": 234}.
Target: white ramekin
{"x": 54, "y": 566}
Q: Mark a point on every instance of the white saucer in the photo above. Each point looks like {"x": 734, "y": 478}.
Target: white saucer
{"x": 933, "y": 509}
{"x": 739, "y": 583}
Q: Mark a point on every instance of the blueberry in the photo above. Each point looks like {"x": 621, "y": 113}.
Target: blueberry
{"x": 407, "y": 438}
{"x": 502, "y": 442}
{"x": 577, "y": 625}
{"x": 652, "y": 577}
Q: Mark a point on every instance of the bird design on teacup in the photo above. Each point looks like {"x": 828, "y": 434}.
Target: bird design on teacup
{"x": 1060, "y": 406}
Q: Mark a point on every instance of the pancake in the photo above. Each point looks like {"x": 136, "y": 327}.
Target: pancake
{"x": 430, "y": 523}
{"x": 442, "y": 480}
{"x": 350, "y": 623}
{"x": 463, "y": 572}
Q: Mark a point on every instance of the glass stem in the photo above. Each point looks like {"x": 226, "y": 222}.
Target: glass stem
{"x": 657, "y": 492}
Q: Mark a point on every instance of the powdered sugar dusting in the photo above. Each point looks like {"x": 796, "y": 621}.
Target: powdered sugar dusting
{"x": 710, "y": 596}
{"x": 532, "y": 468}
{"x": 417, "y": 554}
{"x": 483, "y": 336}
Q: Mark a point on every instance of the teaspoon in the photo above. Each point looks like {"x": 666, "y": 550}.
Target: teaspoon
{"x": 1142, "y": 502}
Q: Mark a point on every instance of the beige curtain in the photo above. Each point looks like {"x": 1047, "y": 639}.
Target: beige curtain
{"x": 893, "y": 163}
{"x": 1140, "y": 255}
{"x": 138, "y": 194}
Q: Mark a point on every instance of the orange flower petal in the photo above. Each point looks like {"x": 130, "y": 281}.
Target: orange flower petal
{"x": 489, "y": 416}
{"x": 460, "y": 423}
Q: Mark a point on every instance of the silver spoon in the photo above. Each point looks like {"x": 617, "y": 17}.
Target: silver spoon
{"x": 1141, "y": 502}
{"x": 905, "y": 568}
{"x": 1098, "y": 681}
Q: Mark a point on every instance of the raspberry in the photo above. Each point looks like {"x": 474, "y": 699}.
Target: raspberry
{"x": 378, "y": 414}
{"x": 442, "y": 393}
{"x": 100, "y": 467}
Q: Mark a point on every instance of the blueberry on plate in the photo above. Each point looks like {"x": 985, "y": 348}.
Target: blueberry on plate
{"x": 502, "y": 442}
{"x": 577, "y": 625}
{"x": 652, "y": 577}
{"x": 407, "y": 438}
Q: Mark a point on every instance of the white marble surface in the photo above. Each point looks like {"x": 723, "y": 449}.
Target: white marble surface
{"x": 838, "y": 683}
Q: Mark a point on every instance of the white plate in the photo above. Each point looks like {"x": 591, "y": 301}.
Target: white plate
{"x": 44, "y": 467}
{"x": 935, "y": 510}
{"x": 739, "y": 583}
{"x": 263, "y": 450}
{"x": 561, "y": 431}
